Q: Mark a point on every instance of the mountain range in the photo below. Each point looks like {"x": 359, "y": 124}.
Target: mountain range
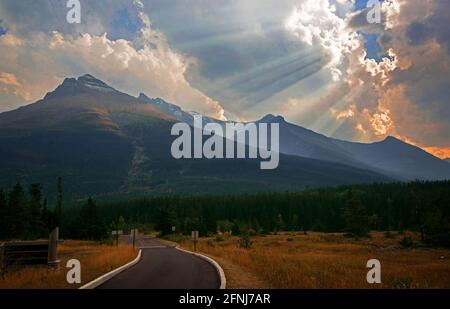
{"x": 103, "y": 141}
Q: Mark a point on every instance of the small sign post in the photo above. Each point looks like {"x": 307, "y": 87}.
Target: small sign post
{"x": 195, "y": 239}
{"x": 134, "y": 233}
{"x": 53, "y": 260}
{"x": 117, "y": 234}
{"x": 174, "y": 228}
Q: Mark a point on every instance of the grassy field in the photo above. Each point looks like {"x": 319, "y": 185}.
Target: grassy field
{"x": 317, "y": 260}
{"x": 96, "y": 260}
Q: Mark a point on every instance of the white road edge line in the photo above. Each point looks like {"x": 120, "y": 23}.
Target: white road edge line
{"x": 223, "y": 279}
{"x": 99, "y": 281}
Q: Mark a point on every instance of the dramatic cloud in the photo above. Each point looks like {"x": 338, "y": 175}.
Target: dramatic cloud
{"x": 414, "y": 85}
{"x": 157, "y": 71}
{"x": 317, "y": 22}
{"x": 317, "y": 62}
{"x": 402, "y": 93}
{"x": 148, "y": 64}
{"x": 10, "y": 85}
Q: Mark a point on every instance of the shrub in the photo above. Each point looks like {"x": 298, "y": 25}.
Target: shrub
{"x": 406, "y": 242}
{"x": 389, "y": 235}
{"x": 402, "y": 283}
{"x": 219, "y": 238}
{"x": 245, "y": 242}
{"x": 178, "y": 238}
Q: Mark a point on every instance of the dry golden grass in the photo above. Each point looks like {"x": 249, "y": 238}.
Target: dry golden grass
{"x": 239, "y": 277}
{"x": 95, "y": 259}
{"x": 295, "y": 260}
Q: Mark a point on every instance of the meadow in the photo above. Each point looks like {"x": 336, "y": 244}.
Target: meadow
{"x": 96, "y": 259}
{"x": 319, "y": 260}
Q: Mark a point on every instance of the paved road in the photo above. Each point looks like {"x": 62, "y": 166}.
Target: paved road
{"x": 164, "y": 267}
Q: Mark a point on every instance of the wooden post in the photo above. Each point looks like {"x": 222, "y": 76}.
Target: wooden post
{"x": 53, "y": 260}
{"x": 195, "y": 239}
{"x": 117, "y": 234}
{"x": 134, "y": 238}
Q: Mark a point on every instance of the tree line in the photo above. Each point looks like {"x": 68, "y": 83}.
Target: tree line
{"x": 24, "y": 214}
{"x": 419, "y": 206}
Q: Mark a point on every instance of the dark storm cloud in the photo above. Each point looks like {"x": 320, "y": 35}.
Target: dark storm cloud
{"x": 436, "y": 26}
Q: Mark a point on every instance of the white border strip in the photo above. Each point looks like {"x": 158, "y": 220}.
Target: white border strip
{"x": 223, "y": 279}
{"x": 99, "y": 281}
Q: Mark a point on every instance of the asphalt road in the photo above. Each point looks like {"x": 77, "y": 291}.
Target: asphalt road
{"x": 164, "y": 267}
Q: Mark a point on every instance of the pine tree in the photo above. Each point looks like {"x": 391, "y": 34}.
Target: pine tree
{"x": 3, "y": 215}
{"x": 90, "y": 224}
{"x": 17, "y": 214}
{"x": 355, "y": 215}
{"x": 165, "y": 221}
{"x": 46, "y": 218}
{"x": 36, "y": 227}
{"x": 120, "y": 224}
{"x": 59, "y": 204}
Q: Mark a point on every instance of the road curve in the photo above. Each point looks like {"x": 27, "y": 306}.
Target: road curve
{"x": 164, "y": 267}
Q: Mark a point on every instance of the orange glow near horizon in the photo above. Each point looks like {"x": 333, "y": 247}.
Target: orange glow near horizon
{"x": 439, "y": 152}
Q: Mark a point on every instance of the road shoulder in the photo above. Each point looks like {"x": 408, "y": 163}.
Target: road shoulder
{"x": 101, "y": 280}
{"x": 221, "y": 273}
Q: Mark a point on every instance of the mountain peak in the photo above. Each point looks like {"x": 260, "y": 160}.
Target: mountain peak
{"x": 92, "y": 82}
{"x": 143, "y": 98}
{"x": 74, "y": 86}
{"x": 272, "y": 118}
{"x": 87, "y": 76}
{"x": 392, "y": 139}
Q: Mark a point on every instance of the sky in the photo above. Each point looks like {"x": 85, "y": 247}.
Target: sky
{"x": 318, "y": 63}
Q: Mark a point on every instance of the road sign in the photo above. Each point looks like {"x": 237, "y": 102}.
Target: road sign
{"x": 117, "y": 234}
